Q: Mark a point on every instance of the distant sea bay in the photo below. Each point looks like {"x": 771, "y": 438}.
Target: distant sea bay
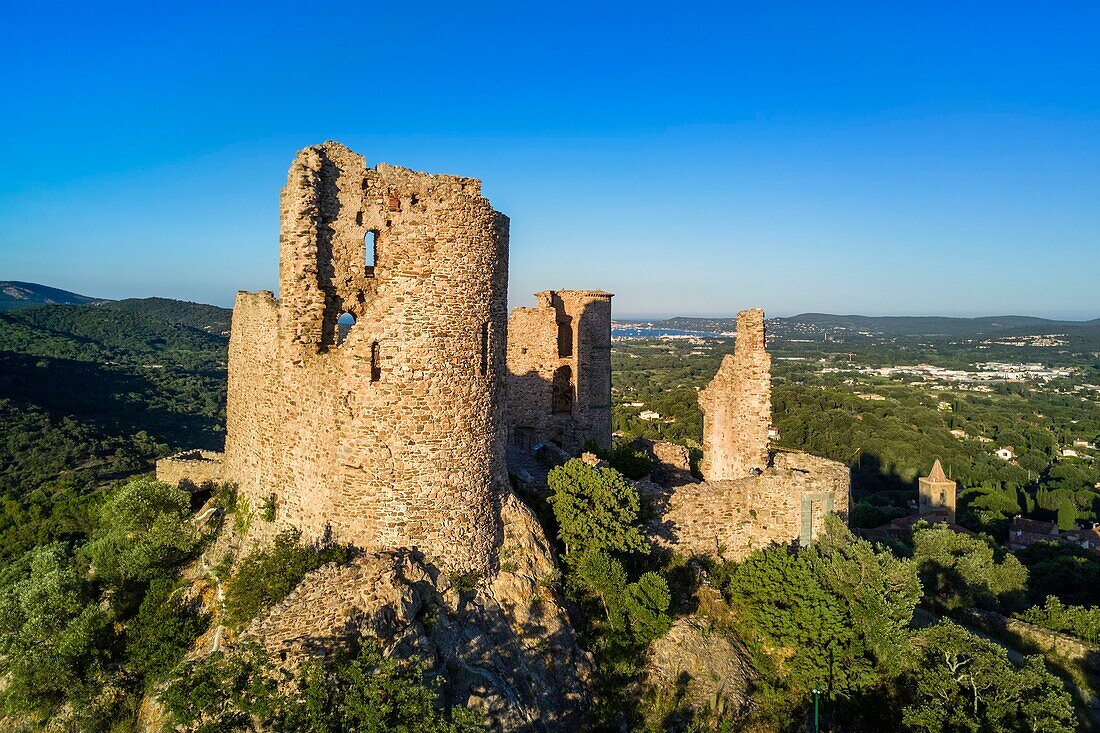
{"x": 647, "y": 332}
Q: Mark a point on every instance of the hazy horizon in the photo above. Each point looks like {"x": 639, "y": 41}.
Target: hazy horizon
{"x": 885, "y": 161}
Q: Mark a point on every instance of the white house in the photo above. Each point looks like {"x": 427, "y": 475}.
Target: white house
{"x": 1006, "y": 454}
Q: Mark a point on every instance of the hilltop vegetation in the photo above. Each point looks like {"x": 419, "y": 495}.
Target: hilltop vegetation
{"x": 90, "y": 394}
{"x": 105, "y": 561}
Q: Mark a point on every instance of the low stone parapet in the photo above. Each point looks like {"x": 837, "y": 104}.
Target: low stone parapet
{"x": 191, "y": 469}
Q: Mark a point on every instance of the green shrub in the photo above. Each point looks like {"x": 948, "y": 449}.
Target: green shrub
{"x": 143, "y": 533}
{"x": 266, "y": 577}
{"x": 1080, "y": 621}
{"x": 365, "y": 692}
{"x": 55, "y": 641}
{"x": 163, "y": 630}
{"x": 630, "y": 462}
{"x": 267, "y": 509}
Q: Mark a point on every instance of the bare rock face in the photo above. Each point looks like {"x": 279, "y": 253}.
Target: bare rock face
{"x": 504, "y": 646}
{"x": 694, "y": 661}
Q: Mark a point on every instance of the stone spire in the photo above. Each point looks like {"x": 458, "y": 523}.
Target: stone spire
{"x": 737, "y": 407}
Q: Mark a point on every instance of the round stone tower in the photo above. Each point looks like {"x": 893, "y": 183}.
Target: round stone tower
{"x": 367, "y": 404}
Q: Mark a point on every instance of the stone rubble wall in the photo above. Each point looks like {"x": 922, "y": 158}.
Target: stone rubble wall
{"x": 671, "y": 461}
{"x": 569, "y": 331}
{"x": 734, "y": 517}
{"x": 194, "y": 467}
{"x": 394, "y": 436}
{"x": 737, "y": 405}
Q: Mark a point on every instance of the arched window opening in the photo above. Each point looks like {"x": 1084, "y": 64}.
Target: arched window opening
{"x": 561, "y": 399}
{"x": 343, "y": 326}
{"x": 375, "y": 362}
{"x": 370, "y": 250}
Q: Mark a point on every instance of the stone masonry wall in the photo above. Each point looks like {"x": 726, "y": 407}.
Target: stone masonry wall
{"x": 195, "y": 467}
{"x": 393, "y": 436}
{"x": 559, "y": 367}
{"x": 786, "y": 503}
{"x": 737, "y": 405}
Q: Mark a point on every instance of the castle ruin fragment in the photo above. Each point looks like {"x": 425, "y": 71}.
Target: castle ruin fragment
{"x": 737, "y": 405}
{"x": 750, "y": 497}
{"x": 559, "y": 371}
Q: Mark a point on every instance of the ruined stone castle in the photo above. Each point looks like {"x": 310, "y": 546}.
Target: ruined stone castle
{"x": 749, "y": 498}
{"x": 392, "y": 433}
{"x": 373, "y": 401}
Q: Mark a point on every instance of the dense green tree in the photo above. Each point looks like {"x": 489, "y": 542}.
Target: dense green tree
{"x": 1068, "y": 572}
{"x": 55, "y": 640}
{"x": 965, "y": 684}
{"x": 143, "y": 533}
{"x": 1067, "y": 516}
{"x": 163, "y": 630}
{"x": 595, "y": 508}
{"x": 959, "y": 571}
{"x": 836, "y": 612}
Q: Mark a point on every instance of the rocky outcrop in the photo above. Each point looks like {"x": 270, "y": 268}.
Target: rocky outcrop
{"x": 503, "y": 643}
{"x": 695, "y": 663}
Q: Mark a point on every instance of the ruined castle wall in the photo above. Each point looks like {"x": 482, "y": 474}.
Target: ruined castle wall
{"x": 394, "y": 436}
{"x": 191, "y": 468}
{"x": 787, "y": 503}
{"x": 255, "y": 404}
{"x": 591, "y": 311}
{"x": 532, "y": 361}
{"x": 736, "y": 405}
{"x": 559, "y": 365}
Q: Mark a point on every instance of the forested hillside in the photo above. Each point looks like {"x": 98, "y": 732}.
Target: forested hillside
{"x": 90, "y": 394}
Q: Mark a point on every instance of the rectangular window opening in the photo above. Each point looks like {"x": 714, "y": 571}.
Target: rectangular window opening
{"x": 370, "y": 251}
{"x": 375, "y": 362}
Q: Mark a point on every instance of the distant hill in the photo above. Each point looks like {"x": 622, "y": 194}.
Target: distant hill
{"x": 15, "y": 295}
{"x": 209, "y": 318}
{"x": 901, "y": 326}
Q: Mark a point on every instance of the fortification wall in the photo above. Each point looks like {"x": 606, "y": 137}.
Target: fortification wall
{"x": 559, "y": 366}
{"x": 787, "y": 503}
{"x": 737, "y": 405}
{"x": 393, "y": 436}
{"x": 255, "y": 399}
{"x": 192, "y": 467}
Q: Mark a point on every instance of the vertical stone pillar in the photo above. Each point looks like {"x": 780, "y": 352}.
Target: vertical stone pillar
{"x": 737, "y": 405}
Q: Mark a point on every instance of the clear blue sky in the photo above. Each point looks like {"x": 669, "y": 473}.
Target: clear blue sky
{"x": 693, "y": 158}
